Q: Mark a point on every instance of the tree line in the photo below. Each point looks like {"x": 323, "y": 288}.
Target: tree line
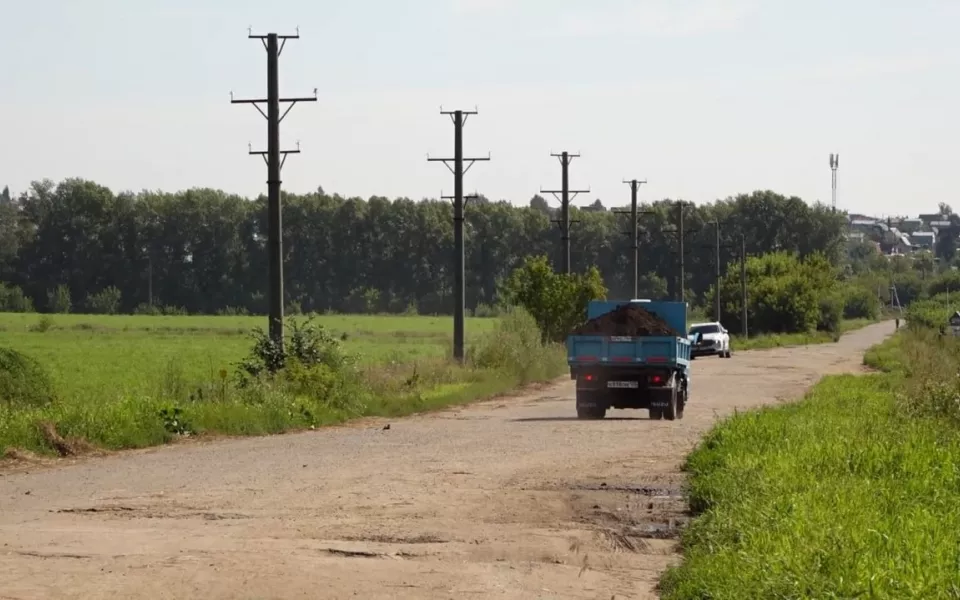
{"x": 78, "y": 244}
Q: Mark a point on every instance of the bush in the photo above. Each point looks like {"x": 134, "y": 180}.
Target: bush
{"x": 946, "y": 283}
{"x": 23, "y": 381}
{"x": 929, "y": 314}
{"x": 556, "y": 301}
{"x": 831, "y": 313}
{"x": 860, "y": 303}
{"x": 155, "y": 310}
{"x": 516, "y": 346}
{"x": 147, "y": 309}
{"x": 307, "y": 344}
{"x": 58, "y": 299}
{"x": 487, "y": 311}
{"x": 104, "y": 302}
{"x": 784, "y": 293}
{"x": 12, "y": 299}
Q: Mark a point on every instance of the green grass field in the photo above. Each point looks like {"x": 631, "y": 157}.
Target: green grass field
{"x": 853, "y": 492}
{"x": 123, "y": 354}
{"x": 133, "y": 381}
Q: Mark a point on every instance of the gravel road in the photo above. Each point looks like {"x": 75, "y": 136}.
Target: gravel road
{"x": 512, "y": 498}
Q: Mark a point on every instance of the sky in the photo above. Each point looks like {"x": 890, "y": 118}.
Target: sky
{"x": 702, "y": 98}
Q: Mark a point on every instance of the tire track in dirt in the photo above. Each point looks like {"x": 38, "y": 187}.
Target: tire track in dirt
{"x": 512, "y": 498}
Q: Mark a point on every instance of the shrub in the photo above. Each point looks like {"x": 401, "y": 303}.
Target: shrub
{"x": 58, "y": 299}
{"x": 928, "y": 314}
{"x": 516, "y": 346}
{"x": 12, "y": 299}
{"x": 44, "y": 324}
{"x": 23, "y": 380}
{"x": 784, "y": 293}
{"x": 860, "y": 303}
{"x": 831, "y": 313}
{"x": 156, "y": 310}
{"x": 293, "y": 308}
{"x": 147, "y": 309}
{"x": 556, "y": 301}
{"x": 487, "y": 311}
{"x": 104, "y": 302}
{"x": 307, "y": 344}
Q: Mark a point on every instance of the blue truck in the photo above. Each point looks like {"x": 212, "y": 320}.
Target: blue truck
{"x": 650, "y": 373}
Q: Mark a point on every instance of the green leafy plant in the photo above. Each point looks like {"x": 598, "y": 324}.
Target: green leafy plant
{"x": 58, "y": 299}
{"x": 556, "y": 301}
{"x": 104, "y": 302}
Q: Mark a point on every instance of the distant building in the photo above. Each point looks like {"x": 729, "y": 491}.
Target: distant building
{"x": 924, "y": 239}
{"x": 911, "y": 225}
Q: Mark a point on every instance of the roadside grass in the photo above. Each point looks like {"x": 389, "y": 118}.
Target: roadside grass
{"x": 853, "y": 492}
{"x": 776, "y": 340}
{"x": 130, "y": 383}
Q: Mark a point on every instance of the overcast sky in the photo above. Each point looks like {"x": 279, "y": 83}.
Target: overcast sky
{"x": 703, "y": 98}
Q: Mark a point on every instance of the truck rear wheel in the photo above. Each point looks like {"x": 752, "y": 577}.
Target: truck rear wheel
{"x": 670, "y": 412}
{"x": 588, "y": 407}
{"x": 590, "y": 412}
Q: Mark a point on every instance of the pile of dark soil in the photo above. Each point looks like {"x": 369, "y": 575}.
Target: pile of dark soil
{"x": 627, "y": 320}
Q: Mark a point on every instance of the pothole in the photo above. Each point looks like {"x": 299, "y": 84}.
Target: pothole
{"x": 653, "y": 491}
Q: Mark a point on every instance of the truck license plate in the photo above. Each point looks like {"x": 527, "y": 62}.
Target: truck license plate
{"x": 623, "y": 384}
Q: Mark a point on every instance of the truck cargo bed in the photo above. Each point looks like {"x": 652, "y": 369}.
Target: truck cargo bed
{"x": 588, "y": 350}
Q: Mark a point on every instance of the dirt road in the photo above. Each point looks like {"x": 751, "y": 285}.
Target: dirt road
{"x": 513, "y": 498}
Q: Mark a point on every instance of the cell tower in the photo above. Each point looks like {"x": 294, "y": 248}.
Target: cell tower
{"x": 834, "y": 164}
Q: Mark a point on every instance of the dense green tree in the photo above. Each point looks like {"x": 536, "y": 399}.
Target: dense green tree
{"x": 204, "y": 250}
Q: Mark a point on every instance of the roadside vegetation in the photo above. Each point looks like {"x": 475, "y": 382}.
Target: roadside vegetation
{"x": 853, "y": 492}
{"x": 134, "y": 387}
{"x": 73, "y": 383}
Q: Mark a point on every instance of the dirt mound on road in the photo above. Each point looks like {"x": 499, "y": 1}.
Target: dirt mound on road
{"x": 627, "y": 320}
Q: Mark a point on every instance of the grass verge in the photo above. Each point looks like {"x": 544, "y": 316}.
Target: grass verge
{"x": 172, "y": 401}
{"x": 777, "y": 340}
{"x": 854, "y": 492}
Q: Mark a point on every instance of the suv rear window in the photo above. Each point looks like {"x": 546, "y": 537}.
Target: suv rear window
{"x": 702, "y": 329}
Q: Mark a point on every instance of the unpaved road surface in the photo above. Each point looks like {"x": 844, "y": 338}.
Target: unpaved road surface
{"x": 513, "y": 498}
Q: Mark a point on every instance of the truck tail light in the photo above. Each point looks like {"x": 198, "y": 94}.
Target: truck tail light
{"x": 588, "y": 377}
{"x": 656, "y": 379}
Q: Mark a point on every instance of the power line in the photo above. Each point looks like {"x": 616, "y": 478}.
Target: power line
{"x": 274, "y": 45}
{"x": 459, "y": 118}
{"x": 565, "y": 198}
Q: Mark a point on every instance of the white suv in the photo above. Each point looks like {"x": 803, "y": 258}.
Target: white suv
{"x": 708, "y": 339}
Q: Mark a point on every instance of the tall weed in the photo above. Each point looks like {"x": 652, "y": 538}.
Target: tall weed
{"x": 515, "y": 346}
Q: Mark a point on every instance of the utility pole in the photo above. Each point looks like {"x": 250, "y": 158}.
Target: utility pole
{"x": 743, "y": 284}
{"x": 565, "y": 198}
{"x": 716, "y": 248}
{"x": 834, "y": 165}
{"x": 634, "y": 232}
{"x": 150, "y": 280}
{"x": 459, "y": 118}
{"x": 274, "y": 44}
{"x": 681, "y": 234}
